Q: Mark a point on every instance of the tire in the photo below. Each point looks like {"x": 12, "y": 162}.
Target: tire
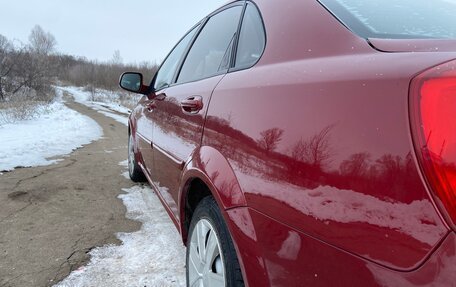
{"x": 218, "y": 264}
{"x": 134, "y": 170}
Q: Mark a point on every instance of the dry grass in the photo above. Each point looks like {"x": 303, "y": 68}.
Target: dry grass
{"x": 126, "y": 99}
{"x": 11, "y": 112}
{"x": 129, "y": 100}
{"x": 25, "y": 105}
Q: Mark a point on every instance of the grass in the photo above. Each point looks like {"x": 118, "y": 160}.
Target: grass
{"x": 25, "y": 105}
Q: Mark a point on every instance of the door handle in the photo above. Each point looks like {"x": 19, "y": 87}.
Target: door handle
{"x": 192, "y": 104}
{"x": 150, "y": 106}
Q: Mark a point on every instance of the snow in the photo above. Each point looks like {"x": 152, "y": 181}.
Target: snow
{"x": 118, "y": 118}
{"x": 125, "y": 173}
{"x": 109, "y": 108}
{"x": 57, "y": 131}
{"x": 152, "y": 256}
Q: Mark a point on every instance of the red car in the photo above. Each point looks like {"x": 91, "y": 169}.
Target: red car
{"x": 307, "y": 143}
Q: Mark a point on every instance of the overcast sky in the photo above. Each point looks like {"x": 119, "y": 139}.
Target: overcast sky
{"x": 142, "y": 30}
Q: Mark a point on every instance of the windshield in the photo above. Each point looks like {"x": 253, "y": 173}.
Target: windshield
{"x": 397, "y": 19}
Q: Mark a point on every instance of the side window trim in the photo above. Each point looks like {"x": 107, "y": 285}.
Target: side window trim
{"x": 233, "y": 67}
{"x": 187, "y": 50}
{"x": 197, "y": 26}
{"x": 203, "y": 23}
{"x": 236, "y": 41}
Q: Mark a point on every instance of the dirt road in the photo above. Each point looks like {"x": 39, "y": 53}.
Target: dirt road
{"x": 51, "y": 216}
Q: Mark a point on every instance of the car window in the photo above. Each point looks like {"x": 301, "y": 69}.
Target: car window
{"x": 400, "y": 19}
{"x": 210, "y": 52}
{"x": 251, "y": 38}
{"x": 168, "y": 68}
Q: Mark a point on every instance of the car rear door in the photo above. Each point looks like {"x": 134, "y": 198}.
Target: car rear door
{"x": 181, "y": 108}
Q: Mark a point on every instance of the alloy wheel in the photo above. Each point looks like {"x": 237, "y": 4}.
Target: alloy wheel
{"x": 206, "y": 266}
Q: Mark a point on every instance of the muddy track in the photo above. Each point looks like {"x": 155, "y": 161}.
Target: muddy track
{"x": 52, "y": 216}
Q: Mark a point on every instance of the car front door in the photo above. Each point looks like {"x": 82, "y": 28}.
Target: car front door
{"x": 147, "y": 115}
{"x": 181, "y": 108}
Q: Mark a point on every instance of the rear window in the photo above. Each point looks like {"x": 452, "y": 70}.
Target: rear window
{"x": 397, "y": 19}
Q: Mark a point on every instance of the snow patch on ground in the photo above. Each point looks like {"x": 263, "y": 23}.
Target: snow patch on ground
{"x": 55, "y": 132}
{"x": 124, "y": 163}
{"x": 125, "y": 173}
{"x": 152, "y": 256}
{"x": 108, "y": 108}
{"x": 118, "y": 118}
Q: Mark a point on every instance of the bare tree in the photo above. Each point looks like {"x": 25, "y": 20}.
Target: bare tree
{"x": 36, "y": 70}
{"x": 6, "y": 64}
{"x": 390, "y": 165}
{"x": 41, "y": 42}
{"x": 315, "y": 151}
{"x": 116, "y": 58}
{"x": 319, "y": 147}
{"x": 5, "y": 49}
{"x": 270, "y": 139}
{"x": 356, "y": 165}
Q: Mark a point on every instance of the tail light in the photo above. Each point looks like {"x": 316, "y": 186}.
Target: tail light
{"x": 433, "y": 122}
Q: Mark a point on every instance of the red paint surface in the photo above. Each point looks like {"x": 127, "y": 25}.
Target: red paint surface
{"x": 414, "y": 45}
{"x": 310, "y": 155}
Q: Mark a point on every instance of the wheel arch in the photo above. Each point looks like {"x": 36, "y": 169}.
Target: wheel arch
{"x": 132, "y": 127}
{"x": 207, "y": 173}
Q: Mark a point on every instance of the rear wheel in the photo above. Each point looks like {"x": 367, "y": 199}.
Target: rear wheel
{"x": 211, "y": 258}
{"x": 134, "y": 170}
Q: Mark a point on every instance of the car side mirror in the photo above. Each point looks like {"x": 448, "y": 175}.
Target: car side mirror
{"x": 132, "y": 82}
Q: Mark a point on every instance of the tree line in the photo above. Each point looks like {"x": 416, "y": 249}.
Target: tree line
{"x": 29, "y": 70}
